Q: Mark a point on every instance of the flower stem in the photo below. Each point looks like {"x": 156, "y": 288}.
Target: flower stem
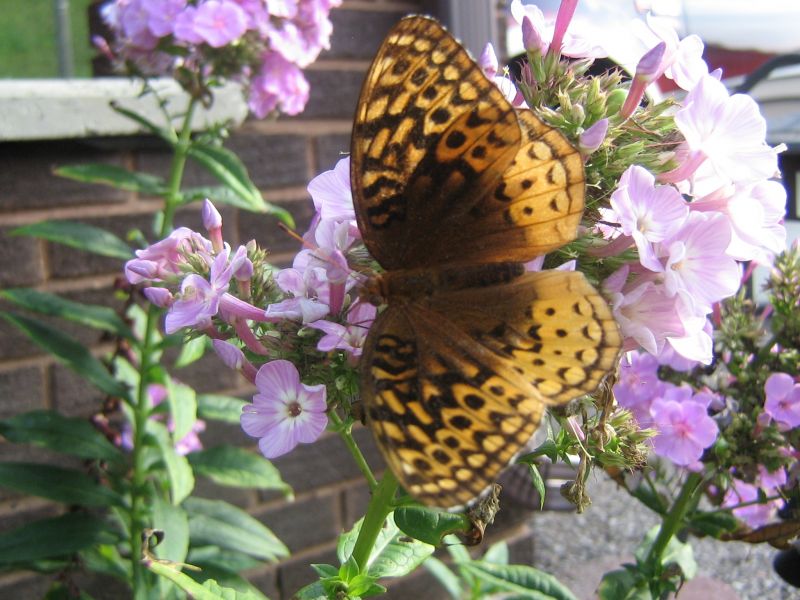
{"x": 673, "y": 520}
{"x": 346, "y": 433}
{"x": 180, "y": 153}
{"x": 142, "y": 581}
{"x": 378, "y": 509}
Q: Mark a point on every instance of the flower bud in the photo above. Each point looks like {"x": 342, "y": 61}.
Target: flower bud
{"x": 591, "y": 139}
{"x": 158, "y": 296}
{"x": 212, "y": 221}
{"x": 531, "y": 39}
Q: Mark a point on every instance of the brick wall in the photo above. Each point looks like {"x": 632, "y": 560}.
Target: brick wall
{"x": 282, "y": 156}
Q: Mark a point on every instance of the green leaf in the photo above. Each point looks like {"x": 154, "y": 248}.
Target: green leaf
{"x": 116, "y": 177}
{"x": 237, "y": 467}
{"x": 713, "y": 523}
{"x": 191, "y": 351}
{"x": 538, "y": 483}
{"x": 208, "y": 590}
{"x": 60, "y": 591}
{"x": 69, "y": 352}
{"x": 181, "y": 478}
{"x": 429, "y": 525}
{"x": 174, "y": 522}
{"x": 392, "y": 555}
{"x": 227, "y": 168}
{"x": 622, "y": 584}
{"x": 676, "y": 553}
{"x": 445, "y": 576}
{"x": 49, "y": 538}
{"x": 325, "y": 570}
{"x": 497, "y": 554}
{"x": 222, "y": 524}
{"x": 78, "y": 235}
{"x": 217, "y": 194}
{"x": 97, "y": 317}
{"x": 226, "y": 579}
{"x": 228, "y": 560}
{"x": 68, "y": 435}
{"x": 168, "y": 135}
{"x": 57, "y": 483}
{"x": 106, "y": 559}
{"x": 651, "y": 499}
{"x": 520, "y": 580}
{"x": 312, "y": 591}
{"x": 182, "y": 407}
{"x": 214, "y": 407}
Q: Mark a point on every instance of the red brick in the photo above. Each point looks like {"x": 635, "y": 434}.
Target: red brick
{"x": 21, "y": 390}
{"x": 305, "y": 523}
{"x": 20, "y": 260}
{"x": 296, "y": 573}
{"x": 357, "y": 34}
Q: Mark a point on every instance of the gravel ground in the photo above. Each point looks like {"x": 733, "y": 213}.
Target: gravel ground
{"x": 579, "y": 548}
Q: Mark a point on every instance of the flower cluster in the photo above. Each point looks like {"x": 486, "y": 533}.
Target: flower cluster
{"x": 262, "y": 44}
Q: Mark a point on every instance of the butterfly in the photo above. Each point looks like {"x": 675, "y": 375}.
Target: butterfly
{"x": 454, "y": 190}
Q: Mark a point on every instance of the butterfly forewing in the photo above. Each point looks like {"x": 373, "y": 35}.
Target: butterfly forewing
{"x": 431, "y": 134}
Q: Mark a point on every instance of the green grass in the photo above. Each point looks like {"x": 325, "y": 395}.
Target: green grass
{"x": 28, "y": 38}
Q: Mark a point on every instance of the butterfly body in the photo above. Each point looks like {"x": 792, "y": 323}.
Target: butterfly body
{"x": 454, "y": 191}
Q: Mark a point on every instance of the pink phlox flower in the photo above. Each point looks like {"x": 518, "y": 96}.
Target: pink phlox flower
{"x": 285, "y": 412}
{"x": 683, "y": 60}
{"x": 331, "y": 193}
{"x": 167, "y": 258}
{"x": 132, "y": 20}
{"x": 755, "y": 213}
{"x": 310, "y": 291}
{"x": 280, "y": 84}
{"x": 184, "y": 29}
{"x": 725, "y": 136}
{"x": 162, "y": 15}
{"x": 199, "y": 299}
{"x": 488, "y": 62}
{"x": 646, "y": 212}
{"x": 696, "y": 346}
{"x": 684, "y": 428}
{"x": 218, "y": 23}
{"x": 695, "y": 260}
{"x": 638, "y": 385}
{"x": 756, "y": 514}
{"x": 783, "y": 400}
{"x": 575, "y": 44}
{"x": 349, "y": 337}
{"x": 647, "y": 315}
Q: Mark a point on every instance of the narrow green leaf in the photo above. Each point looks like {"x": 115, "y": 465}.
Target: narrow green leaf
{"x": 56, "y": 483}
{"x": 181, "y": 478}
{"x": 68, "y": 435}
{"x": 116, "y": 177}
{"x": 497, "y": 554}
{"x": 106, "y": 559}
{"x": 230, "y": 560}
{"x": 191, "y": 351}
{"x": 520, "y": 580}
{"x": 222, "y": 524}
{"x": 208, "y": 590}
{"x": 69, "y": 352}
{"x": 227, "y": 168}
{"x": 168, "y": 135}
{"x": 226, "y": 579}
{"x": 538, "y": 483}
{"x": 713, "y": 523}
{"x": 429, "y": 525}
{"x": 182, "y": 407}
{"x": 97, "y": 317}
{"x": 214, "y": 407}
{"x": 312, "y": 591}
{"x": 237, "y": 467}
{"x": 78, "y": 235}
{"x": 174, "y": 522}
{"x": 218, "y": 194}
{"x": 49, "y": 538}
{"x": 445, "y": 576}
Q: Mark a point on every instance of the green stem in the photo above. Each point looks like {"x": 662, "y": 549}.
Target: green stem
{"x": 181, "y": 151}
{"x": 346, "y": 433}
{"x": 142, "y": 581}
{"x": 378, "y": 509}
{"x": 673, "y": 520}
